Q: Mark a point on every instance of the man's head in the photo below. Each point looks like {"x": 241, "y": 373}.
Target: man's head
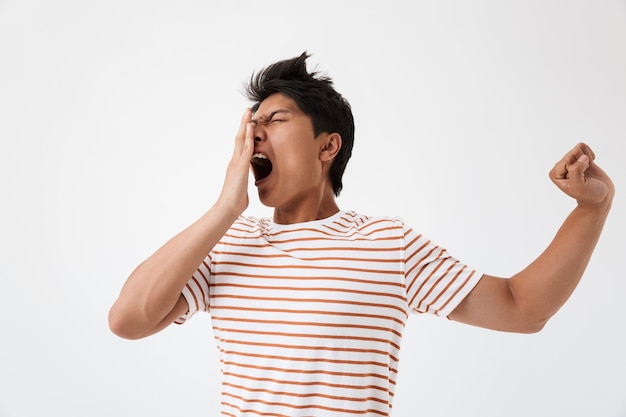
{"x": 315, "y": 96}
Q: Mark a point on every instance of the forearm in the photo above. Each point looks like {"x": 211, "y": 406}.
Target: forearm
{"x": 526, "y": 301}
{"x": 151, "y": 297}
{"x": 545, "y": 285}
{"x": 154, "y": 287}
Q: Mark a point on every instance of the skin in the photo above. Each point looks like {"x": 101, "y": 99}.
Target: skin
{"x": 525, "y": 302}
{"x": 299, "y": 190}
{"x": 298, "y": 187}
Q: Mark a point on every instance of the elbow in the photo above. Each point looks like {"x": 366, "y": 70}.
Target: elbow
{"x": 531, "y": 325}
{"x": 539, "y": 325}
{"x": 121, "y": 325}
{"x": 528, "y": 315}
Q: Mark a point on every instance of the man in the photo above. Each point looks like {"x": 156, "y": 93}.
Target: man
{"x": 308, "y": 308}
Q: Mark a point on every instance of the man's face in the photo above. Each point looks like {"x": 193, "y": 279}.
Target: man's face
{"x": 286, "y": 161}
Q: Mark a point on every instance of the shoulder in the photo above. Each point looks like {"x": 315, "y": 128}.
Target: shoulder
{"x": 368, "y": 224}
{"x": 252, "y": 222}
{"x": 246, "y": 226}
{"x": 366, "y": 219}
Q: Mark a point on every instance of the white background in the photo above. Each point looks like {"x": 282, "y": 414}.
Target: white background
{"x": 116, "y": 125}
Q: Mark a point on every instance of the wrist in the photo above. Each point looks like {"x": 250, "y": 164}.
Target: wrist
{"x": 226, "y": 211}
{"x": 600, "y": 209}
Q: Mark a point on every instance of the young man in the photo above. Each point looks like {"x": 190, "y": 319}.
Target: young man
{"x": 308, "y": 308}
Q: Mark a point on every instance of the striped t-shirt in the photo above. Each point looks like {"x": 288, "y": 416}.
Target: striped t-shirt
{"x": 308, "y": 317}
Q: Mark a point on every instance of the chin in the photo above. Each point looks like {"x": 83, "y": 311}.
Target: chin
{"x": 265, "y": 199}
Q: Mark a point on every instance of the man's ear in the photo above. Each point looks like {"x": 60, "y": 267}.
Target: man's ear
{"x": 332, "y": 144}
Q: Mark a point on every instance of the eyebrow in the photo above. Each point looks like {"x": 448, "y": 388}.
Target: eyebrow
{"x": 269, "y": 116}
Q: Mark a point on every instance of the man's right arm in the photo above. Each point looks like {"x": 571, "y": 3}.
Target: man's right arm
{"x": 151, "y": 299}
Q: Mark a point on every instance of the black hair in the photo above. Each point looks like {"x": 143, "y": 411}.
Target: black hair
{"x": 315, "y": 95}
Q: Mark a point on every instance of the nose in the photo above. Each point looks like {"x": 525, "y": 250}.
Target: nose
{"x": 259, "y": 134}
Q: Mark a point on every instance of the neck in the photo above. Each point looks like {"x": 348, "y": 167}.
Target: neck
{"x": 326, "y": 207}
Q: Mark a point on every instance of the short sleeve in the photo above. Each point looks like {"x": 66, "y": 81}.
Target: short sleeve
{"x": 435, "y": 281}
{"x": 196, "y": 291}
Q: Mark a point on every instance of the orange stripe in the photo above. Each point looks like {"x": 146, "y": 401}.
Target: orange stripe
{"x": 301, "y": 407}
{"x": 376, "y": 222}
{"x": 306, "y": 371}
{"x": 193, "y": 294}
{"x": 320, "y": 248}
{"x": 393, "y": 371}
{"x": 320, "y": 289}
{"x": 313, "y": 267}
{"x": 311, "y": 300}
{"x": 441, "y": 262}
{"x": 326, "y": 258}
{"x": 309, "y": 335}
{"x": 418, "y": 251}
{"x": 308, "y": 278}
{"x": 310, "y": 323}
{"x": 303, "y": 359}
{"x": 314, "y": 394}
{"x": 303, "y": 347}
{"x": 289, "y": 311}
{"x": 204, "y": 296}
{"x": 447, "y": 287}
{"x": 309, "y": 383}
{"x": 359, "y": 231}
{"x": 424, "y": 266}
{"x": 433, "y": 286}
{"x": 456, "y": 292}
{"x": 306, "y": 239}
{"x": 251, "y": 234}
{"x": 249, "y": 411}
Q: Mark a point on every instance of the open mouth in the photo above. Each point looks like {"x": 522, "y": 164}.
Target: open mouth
{"x": 261, "y": 166}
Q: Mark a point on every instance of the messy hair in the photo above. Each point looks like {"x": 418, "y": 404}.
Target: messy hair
{"x": 315, "y": 95}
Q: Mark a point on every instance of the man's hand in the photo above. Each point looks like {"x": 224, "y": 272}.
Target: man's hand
{"x": 578, "y": 176}
{"x": 234, "y": 195}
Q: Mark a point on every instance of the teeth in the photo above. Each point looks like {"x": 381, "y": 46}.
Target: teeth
{"x": 259, "y": 155}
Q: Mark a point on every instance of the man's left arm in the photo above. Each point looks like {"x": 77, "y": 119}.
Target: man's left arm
{"x": 526, "y": 301}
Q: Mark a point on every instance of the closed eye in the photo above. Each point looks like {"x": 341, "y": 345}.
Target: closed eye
{"x": 266, "y": 122}
{"x": 272, "y": 117}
